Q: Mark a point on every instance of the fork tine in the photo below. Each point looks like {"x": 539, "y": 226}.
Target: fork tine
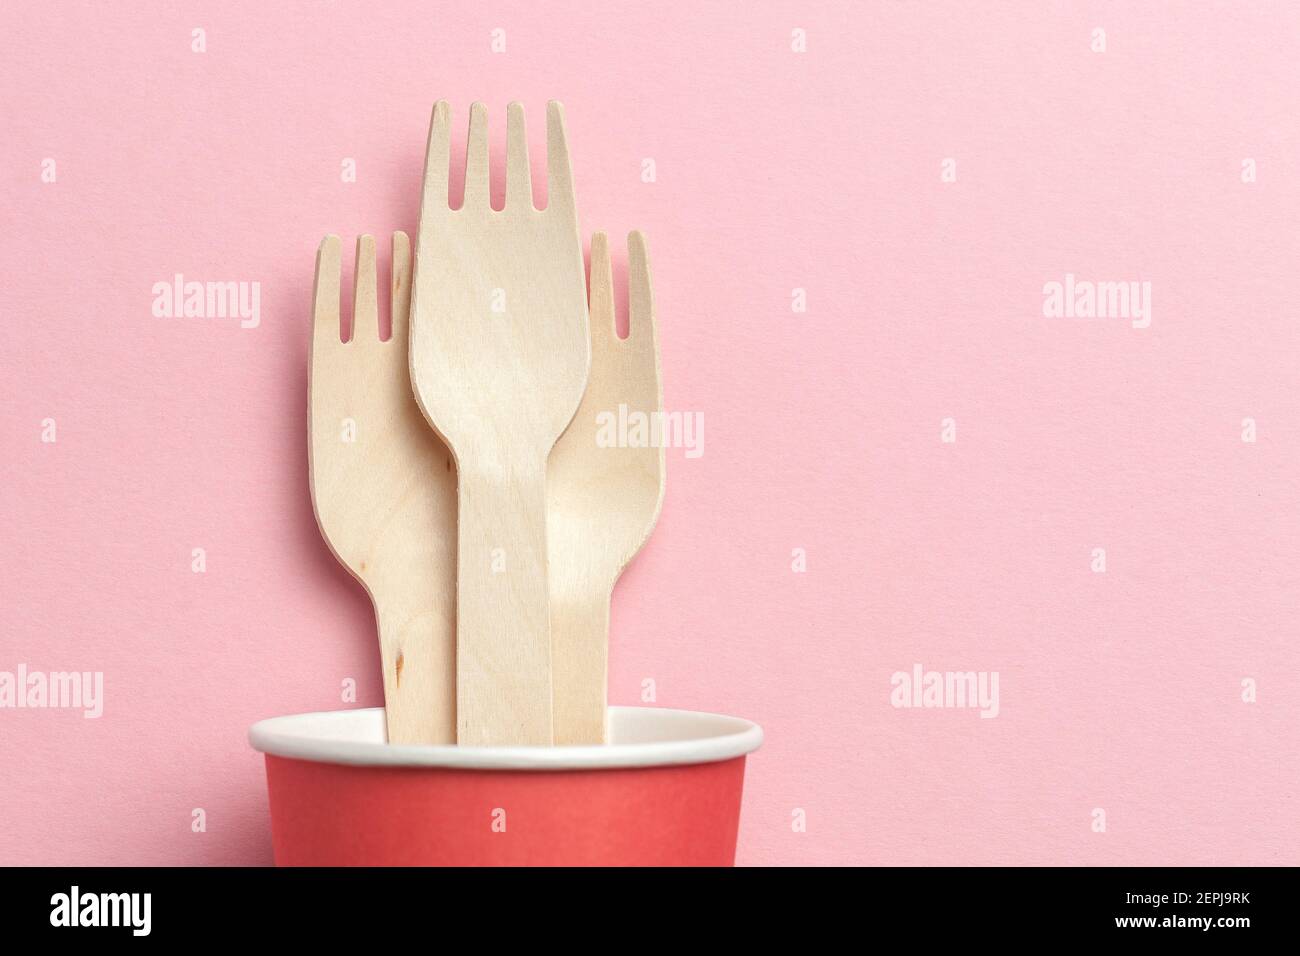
{"x": 437, "y": 161}
{"x": 601, "y": 297}
{"x": 401, "y": 287}
{"x": 365, "y": 293}
{"x": 477, "y": 175}
{"x": 641, "y": 304}
{"x": 325, "y": 296}
{"x": 559, "y": 172}
{"x": 519, "y": 181}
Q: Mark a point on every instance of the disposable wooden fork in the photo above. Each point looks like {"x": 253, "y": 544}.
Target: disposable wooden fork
{"x": 499, "y": 359}
{"x": 384, "y": 490}
{"x": 604, "y": 497}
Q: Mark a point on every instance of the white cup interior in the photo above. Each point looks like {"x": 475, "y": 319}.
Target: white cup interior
{"x": 639, "y": 737}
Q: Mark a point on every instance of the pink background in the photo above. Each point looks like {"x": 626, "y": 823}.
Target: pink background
{"x": 775, "y": 170}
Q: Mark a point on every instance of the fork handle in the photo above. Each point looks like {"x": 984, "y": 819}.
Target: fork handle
{"x": 503, "y": 636}
{"x": 580, "y": 652}
{"x": 418, "y": 653}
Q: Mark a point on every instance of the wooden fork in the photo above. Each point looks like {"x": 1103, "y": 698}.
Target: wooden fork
{"x": 383, "y": 489}
{"x": 499, "y": 360}
{"x": 604, "y": 499}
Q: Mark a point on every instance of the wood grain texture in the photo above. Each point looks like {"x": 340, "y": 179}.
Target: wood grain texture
{"x": 499, "y": 360}
{"x": 603, "y": 499}
{"x": 383, "y": 487}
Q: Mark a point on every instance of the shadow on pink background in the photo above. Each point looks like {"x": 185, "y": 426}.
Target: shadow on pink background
{"x": 775, "y": 171}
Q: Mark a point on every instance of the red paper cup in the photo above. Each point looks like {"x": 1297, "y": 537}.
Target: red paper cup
{"x": 664, "y": 792}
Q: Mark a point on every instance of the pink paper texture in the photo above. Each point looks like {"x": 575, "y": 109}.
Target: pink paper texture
{"x": 921, "y": 172}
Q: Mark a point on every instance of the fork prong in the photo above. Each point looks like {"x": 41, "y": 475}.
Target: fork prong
{"x": 559, "y": 172}
{"x": 401, "y": 299}
{"x": 325, "y": 296}
{"x": 477, "y": 172}
{"x": 600, "y": 298}
{"x": 641, "y": 304}
{"x": 519, "y": 180}
{"x": 365, "y": 294}
{"x": 437, "y": 162}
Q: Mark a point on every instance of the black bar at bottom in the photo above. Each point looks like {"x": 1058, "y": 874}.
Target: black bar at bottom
{"x": 213, "y": 905}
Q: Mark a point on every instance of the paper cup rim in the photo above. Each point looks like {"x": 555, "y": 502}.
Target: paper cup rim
{"x": 641, "y": 737}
